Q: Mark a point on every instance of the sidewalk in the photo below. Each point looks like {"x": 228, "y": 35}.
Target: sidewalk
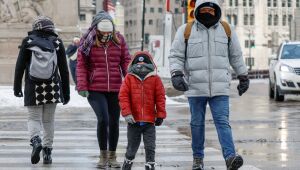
{"x": 76, "y": 147}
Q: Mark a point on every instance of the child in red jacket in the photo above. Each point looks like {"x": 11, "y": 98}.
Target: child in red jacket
{"x": 142, "y": 101}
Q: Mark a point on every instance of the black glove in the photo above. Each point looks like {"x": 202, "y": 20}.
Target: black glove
{"x": 18, "y": 93}
{"x": 244, "y": 84}
{"x": 158, "y": 121}
{"x": 66, "y": 99}
{"x": 179, "y": 82}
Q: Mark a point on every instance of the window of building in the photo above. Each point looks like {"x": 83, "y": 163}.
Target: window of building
{"x": 284, "y": 20}
{"x": 269, "y": 3}
{"x": 289, "y": 3}
{"x": 290, "y": 19}
{"x": 82, "y": 17}
{"x": 126, "y": 23}
{"x": 250, "y": 2}
{"x": 244, "y": 2}
{"x": 236, "y": 2}
{"x": 283, "y": 3}
{"x": 230, "y": 3}
{"x": 147, "y": 38}
{"x": 270, "y": 19}
{"x": 151, "y": 10}
{"x": 235, "y": 21}
{"x": 248, "y": 45}
{"x": 274, "y": 3}
{"x": 252, "y": 19}
{"x": 229, "y": 19}
{"x": 297, "y": 3}
{"x": 246, "y": 19}
{"x": 150, "y": 22}
{"x": 160, "y": 10}
{"x": 176, "y": 11}
{"x": 276, "y": 20}
{"x": 134, "y": 22}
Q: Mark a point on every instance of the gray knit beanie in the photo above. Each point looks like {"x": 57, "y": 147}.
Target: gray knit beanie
{"x": 100, "y": 16}
{"x": 43, "y": 23}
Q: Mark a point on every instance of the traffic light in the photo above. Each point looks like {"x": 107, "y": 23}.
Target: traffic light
{"x": 190, "y": 10}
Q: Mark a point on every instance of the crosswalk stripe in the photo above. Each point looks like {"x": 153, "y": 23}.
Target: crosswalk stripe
{"x": 78, "y": 149}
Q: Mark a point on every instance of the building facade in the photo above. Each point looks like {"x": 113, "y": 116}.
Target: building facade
{"x": 261, "y": 26}
{"x": 154, "y": 20}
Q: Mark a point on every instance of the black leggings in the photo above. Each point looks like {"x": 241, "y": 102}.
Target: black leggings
{"x": 107, "y": 109}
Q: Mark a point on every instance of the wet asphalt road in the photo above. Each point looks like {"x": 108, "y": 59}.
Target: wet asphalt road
{"x": 266, "y": 133}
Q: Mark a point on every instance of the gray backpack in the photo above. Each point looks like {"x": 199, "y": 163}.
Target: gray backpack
{"x": 43, "y": 64}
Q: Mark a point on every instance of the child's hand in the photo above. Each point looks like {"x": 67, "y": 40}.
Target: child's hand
{"x": 158, "y": 121}
{"x": 129, "y": 119}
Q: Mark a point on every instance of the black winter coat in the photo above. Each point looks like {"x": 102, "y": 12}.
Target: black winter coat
{"x": 38, "y": 93}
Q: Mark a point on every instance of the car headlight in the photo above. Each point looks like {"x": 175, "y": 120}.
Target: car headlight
{"x": 286, "y": 68}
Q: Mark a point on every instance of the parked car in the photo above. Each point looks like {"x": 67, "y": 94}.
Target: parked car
{"x": 284, "y": 71}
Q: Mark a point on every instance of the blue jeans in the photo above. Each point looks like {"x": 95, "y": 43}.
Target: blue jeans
{"x": 72, "y": 65}
{"x": 219, "y": 106}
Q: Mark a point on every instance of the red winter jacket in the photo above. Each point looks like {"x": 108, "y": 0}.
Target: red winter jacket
{"x": 102, "y": 70}
{"x": 144, "y": 99}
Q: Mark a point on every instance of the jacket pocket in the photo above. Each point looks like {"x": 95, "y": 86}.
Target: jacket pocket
{"x": 195, "y": 48}
{"x": 221, "y": 44}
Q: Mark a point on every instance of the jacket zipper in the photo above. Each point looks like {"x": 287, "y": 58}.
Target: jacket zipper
{"x": 209, "y": 64}
{"x": 143, "y": 99}
{"x": 105, "y": 48}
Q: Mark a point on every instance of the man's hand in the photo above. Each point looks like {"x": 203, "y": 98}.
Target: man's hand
{"x": 179, "y": 82}
{"x": 158, "y": 121}
{"x": 84, "y": 93}
{"x": 18, "y": 93}
{"x": 129, "y": 119}
{"x": 244, "y": 84}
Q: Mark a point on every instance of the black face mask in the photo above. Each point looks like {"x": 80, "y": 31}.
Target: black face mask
{"x": 207, "y": 19}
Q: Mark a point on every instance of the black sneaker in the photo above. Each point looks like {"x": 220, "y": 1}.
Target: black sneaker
{"x": 150, "y": 166}
{"x": 36, "y": 144}
{"x": 47, "y": 155}
{"x": 127, "y": 164}
{"x": 234, "y": 163}
{"x": 198, "y": 164}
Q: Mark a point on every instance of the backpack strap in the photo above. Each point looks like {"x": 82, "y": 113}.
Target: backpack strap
{"x": 187, "y": 33}
{"x": 227, "y": 30}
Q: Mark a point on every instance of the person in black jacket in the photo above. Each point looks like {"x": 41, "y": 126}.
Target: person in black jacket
{"x": 41, "y": 97}
{"x": 72, "y": 55}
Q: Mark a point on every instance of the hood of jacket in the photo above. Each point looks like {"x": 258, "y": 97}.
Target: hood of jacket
{"x": 201, "y": 3}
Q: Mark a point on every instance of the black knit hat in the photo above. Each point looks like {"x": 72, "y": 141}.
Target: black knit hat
{"x": 43, "y": 23}
{"x": 142, "y": 58}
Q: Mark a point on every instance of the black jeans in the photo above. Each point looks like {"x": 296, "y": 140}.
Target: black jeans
{"x": 134, "y": 133}
{"x": 107, "y": 109}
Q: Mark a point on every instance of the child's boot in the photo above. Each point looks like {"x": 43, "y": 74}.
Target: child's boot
{"x": 150, "y": 166}
{"x": 127, "y": 164}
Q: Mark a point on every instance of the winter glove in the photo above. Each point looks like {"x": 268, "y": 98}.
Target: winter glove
{"x": 244, "y": 84}
{"x": 179, "y": 82}
{"x": 18, "y": 93}
{"x": 84, "y": 93}
{"x": 158, "y": 121}
{"x": 129, "y": 119}
{"x": 66, "y": 99}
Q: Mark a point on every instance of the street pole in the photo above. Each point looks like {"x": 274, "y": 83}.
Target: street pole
{"x": 249, "y": 46}
{"x": 143, "y": 26}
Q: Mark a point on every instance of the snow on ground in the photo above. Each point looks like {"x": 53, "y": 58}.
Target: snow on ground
{"x": 8, "y": 99}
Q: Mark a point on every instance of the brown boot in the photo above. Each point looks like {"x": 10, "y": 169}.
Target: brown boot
{"x": 102, "y": 163}
{"x": 112, "y": 160}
